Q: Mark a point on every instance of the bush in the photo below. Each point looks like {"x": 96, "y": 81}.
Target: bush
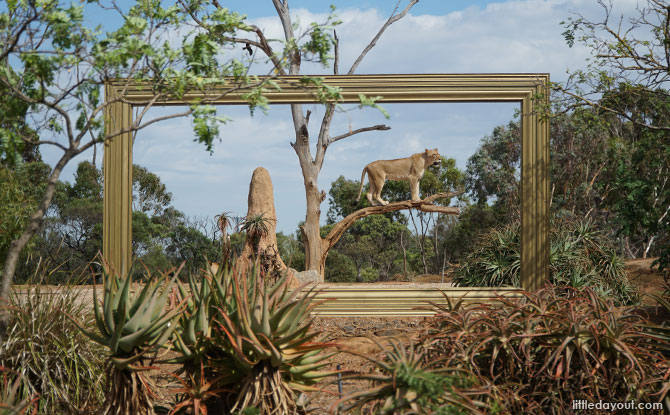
{"x": 404, "y": 383}
{"x": 541, "y": 352}
{"x": 579, "y": 256}
{"x": 246, "y": 342}
{"x": 53, "y": 358}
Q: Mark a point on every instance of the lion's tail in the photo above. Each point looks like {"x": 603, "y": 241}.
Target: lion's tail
{"x": 365, "y": 170}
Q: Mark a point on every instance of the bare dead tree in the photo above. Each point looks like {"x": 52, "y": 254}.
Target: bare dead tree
{"x": 310, "y": 164}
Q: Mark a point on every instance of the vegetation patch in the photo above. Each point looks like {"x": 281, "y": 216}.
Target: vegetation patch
{"x": 579, "y": 256}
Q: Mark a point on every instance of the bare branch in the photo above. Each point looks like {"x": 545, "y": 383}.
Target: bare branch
{"x": 394, "y": 18}
{"x": 595, "y": 104}
{"x": 283, "y": 12}
{"x": 379, "y": 127}
{"x": 336, "y": 61}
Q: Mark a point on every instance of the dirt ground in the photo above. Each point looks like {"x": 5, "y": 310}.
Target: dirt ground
{"x": 648, "y": 280}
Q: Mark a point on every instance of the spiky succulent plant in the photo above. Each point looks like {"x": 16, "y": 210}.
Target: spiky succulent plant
{"x": 192, "y": 339}
{"x": 271, "y": 354}
{"x": 193, "y": 332}
{"x": 404, "y": 384}
{"x": 131, "y": 326}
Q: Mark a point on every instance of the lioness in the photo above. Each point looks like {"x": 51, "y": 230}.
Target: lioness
{"x": 410, "y": 168}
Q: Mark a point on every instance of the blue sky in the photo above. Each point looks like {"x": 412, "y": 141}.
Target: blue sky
{"x": 436, "y": 37}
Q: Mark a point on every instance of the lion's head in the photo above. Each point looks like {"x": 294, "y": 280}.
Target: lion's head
{"x": 433, "y": 157}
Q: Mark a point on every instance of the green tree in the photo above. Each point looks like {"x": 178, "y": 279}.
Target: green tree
{"x": 382, "y": 236}
{"x": 640, "y": 178}
{"x": 16, "y": 136}
{"x": 626, "y": 86}
{"x": 54, "y": 67}
{"x": 459, "y": 237}
{"x": 291, "y": 251}
{"x": 341, "y": 201}
{"x": 629, "y": 58}
{"x": 20, "y": 189}
{"x": 71, "y": 234}
{"x": 149, "y": 194}
{"x": 189, "y": 245}
{"x": 493, "y": 171}
{"x": 579, "y": 163}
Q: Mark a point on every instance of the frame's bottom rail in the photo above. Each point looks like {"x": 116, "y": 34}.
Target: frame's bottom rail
{"x": 361, "y": 300}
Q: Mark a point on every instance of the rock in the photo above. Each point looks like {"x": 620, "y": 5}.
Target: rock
{"x": 293, "y": 282}
{"x": 310, "y": 276}
{"x": 349, "y": 329}
{"x": 261, "y": 202}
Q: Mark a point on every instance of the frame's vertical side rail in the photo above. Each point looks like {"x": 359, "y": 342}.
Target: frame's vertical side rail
{"x": 117, "y": 188}
{"x": 534, "y": 191}
{"x": 543, "y": 192}
{"x": 528, "y": 212}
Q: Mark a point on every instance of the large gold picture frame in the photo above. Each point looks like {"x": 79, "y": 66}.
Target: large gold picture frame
{"x": 529, "y": 90}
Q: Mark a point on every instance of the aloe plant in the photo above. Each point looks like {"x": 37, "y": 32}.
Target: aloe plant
{"x": 195, "y": 391}
{"x": 194, "y": 326}
{"x": 403, "y": 383}
{"x": 545, "y": 349}
{"x": 256, "y": 228}
{"x": 131, "y": 327}
{"x": 192, "y": 339}
{"x": 271, "y": 355}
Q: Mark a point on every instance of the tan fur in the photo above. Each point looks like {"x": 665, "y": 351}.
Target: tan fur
{"x": 410, "y": 168}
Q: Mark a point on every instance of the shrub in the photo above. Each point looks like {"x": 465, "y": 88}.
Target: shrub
{"x": 246, "y": 340}
{"x": 540, "y": 352}
{"x": 54, "y": 359}
{"x": 404, "y": 383}
{"x": 579, "y": 256}
{"x": 131, "y": 327}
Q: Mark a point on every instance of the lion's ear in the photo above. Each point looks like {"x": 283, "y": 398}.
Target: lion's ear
{"x": 427, "y": 150}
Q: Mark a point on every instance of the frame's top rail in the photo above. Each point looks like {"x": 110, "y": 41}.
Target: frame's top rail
{"x": 392, "y": 88}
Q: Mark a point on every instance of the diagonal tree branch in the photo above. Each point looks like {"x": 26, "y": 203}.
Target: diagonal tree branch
{"x": 424, "y": 205}
{"x": 379, "y": 127}
{"x": 394, "y": 18}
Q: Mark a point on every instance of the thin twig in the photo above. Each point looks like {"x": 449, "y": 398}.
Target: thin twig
{"x": 394, "y": 18}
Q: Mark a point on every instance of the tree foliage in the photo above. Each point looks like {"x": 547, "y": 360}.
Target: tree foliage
{"x": 630, "y": 58}
{"x": 71, "y": 235}
{"x": 625, "y": 88}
